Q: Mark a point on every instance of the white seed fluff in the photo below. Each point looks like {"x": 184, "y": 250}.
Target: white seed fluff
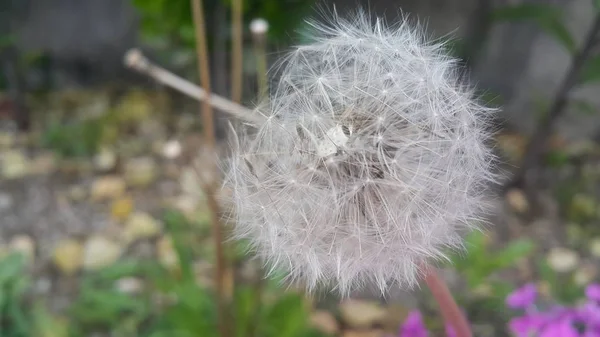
{"x": 372, "y": 160}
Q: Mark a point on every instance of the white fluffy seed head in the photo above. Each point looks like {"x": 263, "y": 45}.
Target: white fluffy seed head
{"x": 371, "y": 163}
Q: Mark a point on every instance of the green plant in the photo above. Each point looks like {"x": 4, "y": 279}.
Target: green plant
{"x": 75, "y": 139}
{"x": 14, "y": 318}
{"x": 172, "y": 20}
{"x": 480, "y": 262}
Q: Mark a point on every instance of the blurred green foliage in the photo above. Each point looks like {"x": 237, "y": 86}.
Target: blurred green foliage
{"x": 172, "y": 19}
{"x": 14, "y": 317}
{"x": 74, "y": 139}
{"x": 547, "y": 17}
{"x": 170, "y": 304}
{"x": 480, "y": 262}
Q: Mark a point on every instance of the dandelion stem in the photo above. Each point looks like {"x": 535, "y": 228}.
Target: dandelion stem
{"x": 209, "y": 139}
{"x": 448, "y": 307}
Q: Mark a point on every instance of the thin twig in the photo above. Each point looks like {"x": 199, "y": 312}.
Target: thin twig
{"x": 526, "y": 177}
{"x": 259, "y": 28}
{"x": 477, "y": 31}
{"x": 209, "y": 140}
{"x": 449, "y": 309}
{"x": 236, "y": 50}
{"x": 137, "y": 61}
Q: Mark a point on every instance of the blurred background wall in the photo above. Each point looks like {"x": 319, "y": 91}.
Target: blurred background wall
{"x": 82, "y": 42}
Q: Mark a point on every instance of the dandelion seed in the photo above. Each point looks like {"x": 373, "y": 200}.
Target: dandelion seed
{"x": 373, "y": 160}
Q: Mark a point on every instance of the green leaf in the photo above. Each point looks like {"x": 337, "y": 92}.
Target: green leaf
{"x": 547, "y": 17}
{"x": 557, "y": 158}
{"x": 11, "y": 267}
{"x": 287, "y": 317}
{"x": 515, "y": 251}
{"x": 591, "y": 71}
{"x": 584, "y": 107}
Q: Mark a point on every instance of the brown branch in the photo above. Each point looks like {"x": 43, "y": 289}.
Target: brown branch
{"x": 526, "y": 176}
{"x": 209, "y": 143}
{"x": 136, "y": 60}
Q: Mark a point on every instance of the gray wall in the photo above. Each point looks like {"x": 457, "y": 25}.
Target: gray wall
{"x": 519, "y": 62}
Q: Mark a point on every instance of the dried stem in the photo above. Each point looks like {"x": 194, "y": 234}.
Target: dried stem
{"x": 261, "y": 73}
{"x": 137, "y": 61}
{"x": 450, "y": 311}
{"x": 259, "y": 41}
{"x": 209, "y": 140}
{"x": 236, "y": 51}
{"x": 525, "y": 177}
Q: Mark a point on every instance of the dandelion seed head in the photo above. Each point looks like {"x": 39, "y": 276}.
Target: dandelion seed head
{"x": 372, "y": 163}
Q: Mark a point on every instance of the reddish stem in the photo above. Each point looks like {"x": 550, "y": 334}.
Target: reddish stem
{"x": 448, "y": 307}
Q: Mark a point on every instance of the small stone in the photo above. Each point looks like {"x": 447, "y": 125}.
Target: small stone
{"x": 121, "y": 208}
{"x": 395, "y": 316}
{"x": 562, "y": 260}
{"x": 595, "y": 247}
{"x": 6, "y": 201}
{"x": 141, "y": 172}
{"x": 140, "y": 226}
{"x": 77, "y": 193}
{"x": 14, "y": 164}
{"x": 100, "y": 252}
{"x": 368, "y": 333}
{"x": 190, "y": 183}
{"x": 23, "y": 244}
{"x": 105, "y": 160}
{"x": 68, "y": 256}
{"x": 43, "y": 164}
{"x": 7, "y": 139}
{"x": 325, "y": 322}
{"x": 107, "y": 187}
{"x": 585, "y": 275}
{"x": 129, "y": 285}
{"x": 517, "y": 200}
{"x": 43, "y": 285}
{"x": 358, "y": 313}
{"x": 167, "y": 255}
{"x": 172, "y": 149}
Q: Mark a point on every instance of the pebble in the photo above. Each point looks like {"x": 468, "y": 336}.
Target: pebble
{"x": 68, "y": 256}
{"x": 140, "y": 172}
{"x": 562, "y": 260}
{"x": 100, "y": 252}
{"x": 23, "y": 244}
{"x": 140, "y": 226}
{"x": 360, "y": 314}
{"x": 107, "y": 187}
{"x": 325, "y": 322}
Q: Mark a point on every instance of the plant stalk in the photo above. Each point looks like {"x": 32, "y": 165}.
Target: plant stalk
{"x": 209, "y": 143}
{"x": 526, "y": 176}
{"x": 136, "y": 60}
{"x": 236, "y": 50}
{"x": 448, "y": 307}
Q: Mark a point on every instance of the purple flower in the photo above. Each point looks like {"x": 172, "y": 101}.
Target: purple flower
{"x": 523, "y": 297}
{"x": 527, "y": 325}
{"x": 561, "y": 328}
{"x": 413, "y": 326}
{"x": 592, "y": 292}
{"x": 590, "y": 314}
{"x": 589, "y": 332}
